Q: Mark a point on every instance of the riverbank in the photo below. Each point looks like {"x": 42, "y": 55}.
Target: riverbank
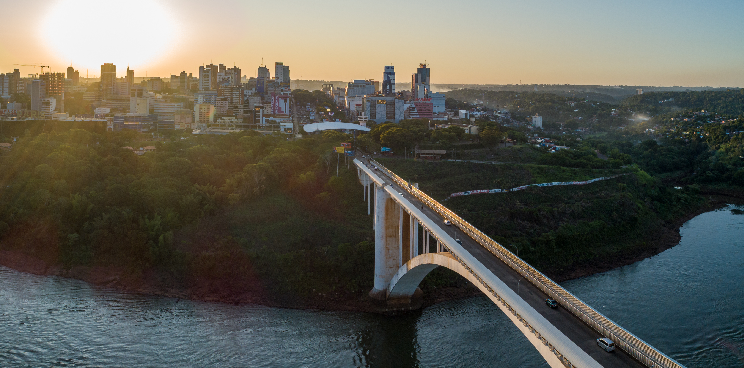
{"x": 249, "y": 289}
{"x": 667, "y": 237}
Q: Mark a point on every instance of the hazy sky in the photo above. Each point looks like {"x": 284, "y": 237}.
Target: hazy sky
{"x": 649, "y": 42}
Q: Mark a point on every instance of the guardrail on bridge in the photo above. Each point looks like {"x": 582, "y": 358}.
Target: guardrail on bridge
{"x": 625, "y": 340}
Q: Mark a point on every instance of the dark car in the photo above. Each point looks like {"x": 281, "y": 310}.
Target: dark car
{"x": 551, "y": 303}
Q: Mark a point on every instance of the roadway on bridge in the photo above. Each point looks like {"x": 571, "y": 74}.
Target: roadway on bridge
{"x": 581, "y": 334}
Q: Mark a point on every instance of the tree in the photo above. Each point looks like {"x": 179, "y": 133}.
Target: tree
{"x": 396, "y": 138}
{"x": 21, "y": 98}
{"x": 377, "y": 131}
{"x": 490, "y": 136}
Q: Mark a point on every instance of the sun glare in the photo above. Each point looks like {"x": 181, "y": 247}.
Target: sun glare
{"x": 88, "y": 33}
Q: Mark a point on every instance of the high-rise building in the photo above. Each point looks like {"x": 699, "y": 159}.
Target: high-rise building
{"x": 421, "y": 82}
{"x": 233, "y": 95}
{"x": 121, "y": 87}
{"x": 233, "y": 74}
{"x": 130, "y": 77}
{"x": 54, "y": 83}
{"x": 263, "y": 72}
{"x": 54, "y": 86}
{"x": 208, "y": 77}
{"x": 183, "y": 81}
{"x": 155, "y": 84}
{"x": 38, "y": 93}
{"x": 381, "y": 109}
{"x": 10, "y": 83}
{"x": 388, "y": 81}
{"x": 73, "y": 75}
{"x": 4, "y": 89}
{"x": 108, "y": 80}
{"x": 262, "y": 77}
{"x": 281, "y": 73}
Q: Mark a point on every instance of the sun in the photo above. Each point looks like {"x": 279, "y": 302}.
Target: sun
{"x": 89, "y": 33}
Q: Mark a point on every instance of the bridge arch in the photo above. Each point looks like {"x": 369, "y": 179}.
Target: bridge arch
{"x": 409, "y": 276}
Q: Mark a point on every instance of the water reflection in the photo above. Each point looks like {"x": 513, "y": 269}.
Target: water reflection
{"x": 686, "y": 301}
{"x": 388, "y": 342}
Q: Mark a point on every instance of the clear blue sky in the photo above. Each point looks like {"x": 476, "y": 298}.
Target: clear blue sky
{"x": 652, "y": 42}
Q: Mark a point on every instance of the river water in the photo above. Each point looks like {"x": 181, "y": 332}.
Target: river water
{"x": 687, "y": 301}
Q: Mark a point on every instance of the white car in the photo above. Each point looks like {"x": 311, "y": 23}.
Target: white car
{"x": 606, "y": 344}
{"x": 447, "y": 222}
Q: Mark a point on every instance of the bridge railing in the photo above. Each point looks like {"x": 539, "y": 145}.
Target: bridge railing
{"x": 625, "y": 340}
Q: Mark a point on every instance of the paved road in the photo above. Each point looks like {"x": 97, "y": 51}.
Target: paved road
{"x": 581, "y": 334}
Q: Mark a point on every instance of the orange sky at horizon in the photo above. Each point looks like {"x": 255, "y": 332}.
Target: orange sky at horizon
{"x": 478, "y": 42}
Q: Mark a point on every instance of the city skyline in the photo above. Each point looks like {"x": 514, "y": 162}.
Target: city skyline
{"x": 660, "y": 43}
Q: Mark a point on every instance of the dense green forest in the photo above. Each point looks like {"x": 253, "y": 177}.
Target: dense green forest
{"x": 219, "y": 207}
{"x": 556, "y": 229}
{"x": 575, "y": 111}
{"x": 729, "y": 102}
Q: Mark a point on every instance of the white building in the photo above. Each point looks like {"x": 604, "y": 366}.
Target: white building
{"x": 281, "y": 73}
{"x": 203, "y": 113}
{"x": 360, "y": 88}
{"x": 354, "y": 103}
{"x": 205, "y": 97}
{"x": 537, "y": 121}
{"x": 139, "y": 105}
{"x": 437, "y": 99}
{"x": 48, "y": 106}
{"x": 205, "y": 78}
{"x": 165, "y": 110}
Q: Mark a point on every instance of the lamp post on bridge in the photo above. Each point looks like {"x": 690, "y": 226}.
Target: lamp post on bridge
{"x": 519, "y": 281}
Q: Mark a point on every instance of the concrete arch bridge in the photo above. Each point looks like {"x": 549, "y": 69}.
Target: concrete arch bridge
{"x": 411, "y": 240}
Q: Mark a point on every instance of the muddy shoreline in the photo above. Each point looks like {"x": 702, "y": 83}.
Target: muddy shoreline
{"x": 252, "y": 291}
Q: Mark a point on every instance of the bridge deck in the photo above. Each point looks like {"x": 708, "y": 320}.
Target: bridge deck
{"x": 576, "y": 330}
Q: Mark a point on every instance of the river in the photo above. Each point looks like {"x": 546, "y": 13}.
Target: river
{"x": 687, "y": 301}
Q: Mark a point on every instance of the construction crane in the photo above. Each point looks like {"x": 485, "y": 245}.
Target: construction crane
{"x": 35, "y": 65}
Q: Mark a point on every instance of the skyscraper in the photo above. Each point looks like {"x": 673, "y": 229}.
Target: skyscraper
{"x": 388, "y": 81}
{"x": 262, "y": 77}
{"x": 14, "y": 79}
{"x": 234, "y": 75}
{"x": 130, "y": 77}
{"x": 108, "y": 80}
{"x": 183, "y": 82}
{"x": 38, "y": 92}
{"x": 281, "y": 73}
{"x": 208, "y": 77}
{"x": 421, "y": 82}
{"x": 73, "y": 75}
{"x": 54, "y": 86}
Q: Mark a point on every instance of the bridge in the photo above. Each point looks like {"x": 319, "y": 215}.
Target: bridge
{"x": 412, "y": 239}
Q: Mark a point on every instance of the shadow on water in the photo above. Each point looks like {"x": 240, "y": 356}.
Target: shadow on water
{"x": 388, "y": 342}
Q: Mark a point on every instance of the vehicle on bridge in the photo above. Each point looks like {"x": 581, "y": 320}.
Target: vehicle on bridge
{"x": 447, "y": 222}
{"x": 606, "y": 344}
{"x": 551, "y": 303}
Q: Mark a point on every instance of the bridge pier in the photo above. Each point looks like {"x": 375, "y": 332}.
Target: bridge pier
{"x": 387, "y": 242}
